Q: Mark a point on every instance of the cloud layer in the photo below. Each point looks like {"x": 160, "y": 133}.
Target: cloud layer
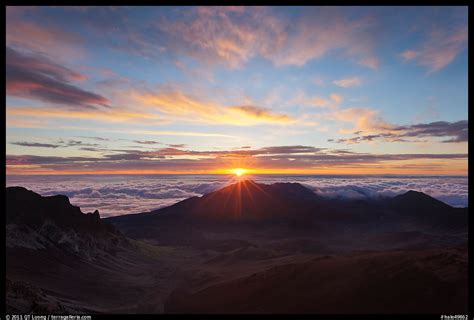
{"x": 183, "y": 160}
{"x": 117, "y": 195}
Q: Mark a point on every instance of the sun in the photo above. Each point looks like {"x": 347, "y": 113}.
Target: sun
{"x": 239, "y": 171}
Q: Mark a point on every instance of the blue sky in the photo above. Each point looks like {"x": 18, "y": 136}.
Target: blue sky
{"x": 182, "y": 90}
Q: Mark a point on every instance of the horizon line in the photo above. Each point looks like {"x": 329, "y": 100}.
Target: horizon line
{"x": 231, "y": 174}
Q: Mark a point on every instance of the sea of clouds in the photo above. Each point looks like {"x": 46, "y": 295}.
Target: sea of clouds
{"x": 123, "y": 194}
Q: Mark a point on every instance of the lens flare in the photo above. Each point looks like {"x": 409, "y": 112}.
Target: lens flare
{"x": 239, "y": 171}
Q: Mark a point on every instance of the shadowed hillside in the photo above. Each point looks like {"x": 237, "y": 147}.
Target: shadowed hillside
{"x": 293, "y": 210}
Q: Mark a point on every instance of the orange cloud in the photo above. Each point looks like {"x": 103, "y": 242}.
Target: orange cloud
{"x": 319, "y": 102}
{"x": 106, "y": 114}
{"x": 365, "y": 119}
{"x": 263, "y": 114}
{"x": 337, "y": 98}
{"x": 172, "y": 133}
{"x": 303, "y": 99}
{"x": 176, "y": 104}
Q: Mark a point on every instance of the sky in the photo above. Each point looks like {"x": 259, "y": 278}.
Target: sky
{"x": 291, "y": 90}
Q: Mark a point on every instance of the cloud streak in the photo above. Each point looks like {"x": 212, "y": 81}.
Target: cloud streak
{"x": 453, "y": 132}
{"x": 179, "y": 159}
{"x": 348, "y": 82}
{"x": 440, "y": 48}
{"x": 60, "y": 144}
{"x": 110, "y": 115}
{"x": 35, "y": 144}
{"x": 36, "y": 77}
{"x": 148, "y": 142}
{"x": 183, "y": 106}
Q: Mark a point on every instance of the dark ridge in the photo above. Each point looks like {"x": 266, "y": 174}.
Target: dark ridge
{"x": 294, "y": 205}
{"x": 248, "y": 201}
{"x": 25, "y": 207}
{"x": 414, "y": 200}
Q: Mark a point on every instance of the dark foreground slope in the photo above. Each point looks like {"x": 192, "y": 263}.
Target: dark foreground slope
{"x": 38, "y": 222}
{"x": 424, "y": 281}
{"x": 59, "y": 260}
{"x": 247, "y": 248}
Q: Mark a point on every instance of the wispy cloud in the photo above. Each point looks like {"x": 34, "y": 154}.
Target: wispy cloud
{"x": 168, "y": 133}
{"x": 348, "y": 82}
{"x": 95, "y": 138}
{"x": 440, "y": 48}
{"x": 60, "y": 144}
{"x": 409, "y": 54}
{"x": 337, "y": 98}
{"x": 177, "y": 145}
{"x": 147, "y": 142}
{"x": 301, "y": 98}
{"x": 260, "y": 114}
{"x": 49, "y": 38}
{"x": 35, "y": 144}
{"x": 233, "y": 37}
{"x": 318, "y": 102}
{"x": 365, "y": 119}
{"x": 153, "y": 142}
{"x": 106, "y": 114}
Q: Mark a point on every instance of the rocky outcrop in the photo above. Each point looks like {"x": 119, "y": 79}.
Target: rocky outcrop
{"x": 36, "y": 222}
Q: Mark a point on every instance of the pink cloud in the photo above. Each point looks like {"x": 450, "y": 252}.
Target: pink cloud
{"x": 336, "y": 97}
{"x": 439, "y": 49}
{"x": 233, "y": 36}
{"x": 409, "y": 54}
{"x": 348, "y": 82}
{"x": 55, "y": 42}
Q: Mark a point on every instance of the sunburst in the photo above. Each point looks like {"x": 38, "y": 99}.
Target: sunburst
{"x": 239, "y": 171}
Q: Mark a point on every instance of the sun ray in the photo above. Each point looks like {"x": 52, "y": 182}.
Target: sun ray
{"x": 239, "y": 171}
